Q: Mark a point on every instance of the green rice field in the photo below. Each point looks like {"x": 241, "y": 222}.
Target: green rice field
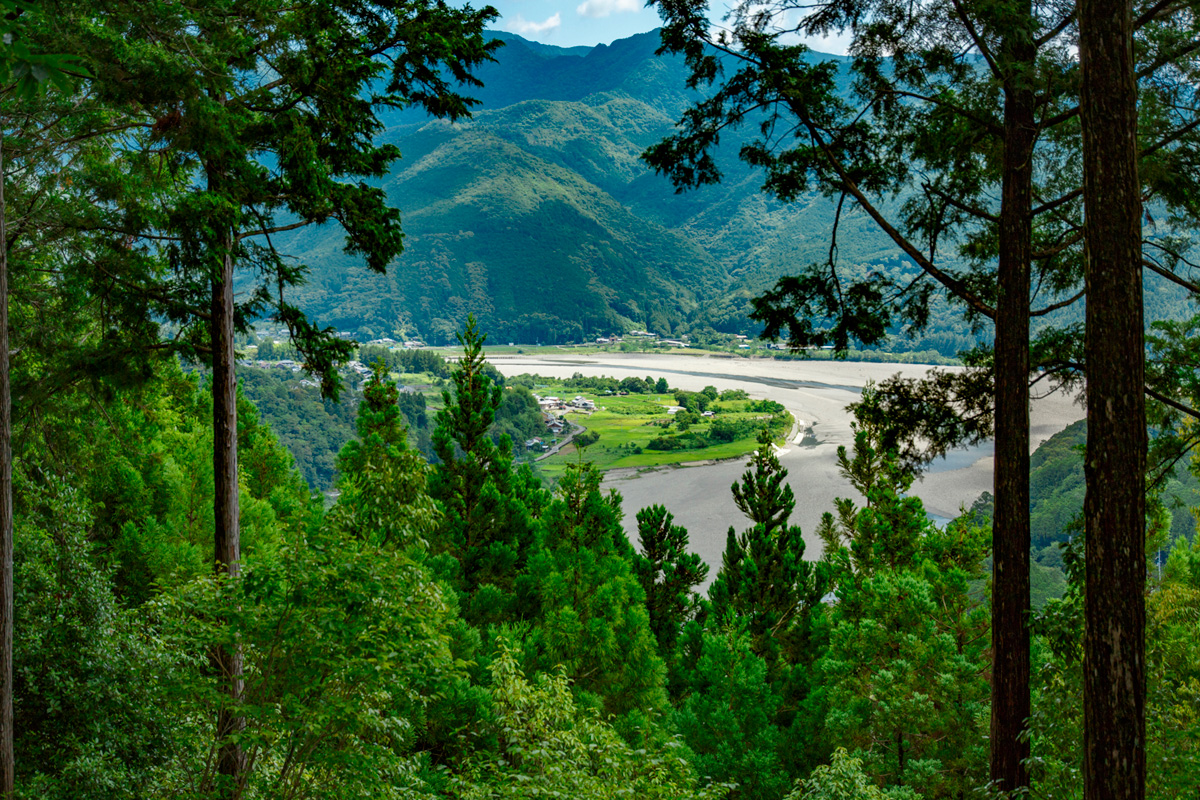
{"x": 628, "y": 423}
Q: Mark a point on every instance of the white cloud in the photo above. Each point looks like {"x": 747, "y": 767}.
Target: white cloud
{"x": 602, "y": 8}
{"x": 519, "y": 24}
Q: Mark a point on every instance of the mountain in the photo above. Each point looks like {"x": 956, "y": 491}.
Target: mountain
{"x": 538, "y": 216}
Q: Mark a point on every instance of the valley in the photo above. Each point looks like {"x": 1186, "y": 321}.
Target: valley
{"x": 816, "y": 394}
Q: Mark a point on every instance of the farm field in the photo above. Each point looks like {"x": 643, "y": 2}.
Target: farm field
{"x": 639, "y": 430}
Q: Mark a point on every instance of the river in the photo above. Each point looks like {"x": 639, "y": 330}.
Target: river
{"x": 816, "y": 393}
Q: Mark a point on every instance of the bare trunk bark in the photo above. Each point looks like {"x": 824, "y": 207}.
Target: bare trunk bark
{"x": 1114, "y": 684}
{"x": 7, "y": 767}
{"x": 1010, "y": 523}
{"x": 231, "y": 761}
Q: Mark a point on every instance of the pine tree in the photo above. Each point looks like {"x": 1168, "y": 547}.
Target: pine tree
{"x": 763, "y": 495}
{"x": 382, "y": 482}
{"x": 763, "y": 575}
{"x": 728, "y": 717}
{"x": 591, "y": 611}
{"x": 381, "y": 432}
{"x": 667, "y": 572}
{"x": 901, "y": 678}
{"x": 486, "y": 526}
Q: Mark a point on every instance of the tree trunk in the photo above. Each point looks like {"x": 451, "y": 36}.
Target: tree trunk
{"x": 7, "y": 766}
{"x": 1010, "y": 522}
{"x": 1114, "y": 684}
{"x": 231, "y": 761}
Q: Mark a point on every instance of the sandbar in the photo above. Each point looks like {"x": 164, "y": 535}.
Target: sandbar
{"x": 816, "y": 393}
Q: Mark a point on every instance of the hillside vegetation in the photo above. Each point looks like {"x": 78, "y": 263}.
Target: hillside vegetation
{"x": 538, "y": 216}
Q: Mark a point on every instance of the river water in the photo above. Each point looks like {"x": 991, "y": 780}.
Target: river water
{"x": 816, "y": 393}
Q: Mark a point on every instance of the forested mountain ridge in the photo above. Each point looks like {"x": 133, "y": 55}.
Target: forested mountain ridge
{"x": 539, "y": 216}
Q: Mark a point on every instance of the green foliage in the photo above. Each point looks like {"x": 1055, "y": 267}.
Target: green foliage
{"x": 763, "y": 494}
{"x": 405, "y": 360}
{"x": 1173, "y": 660}
{"x": 142, "y": 460}
{"x": 1172, "y": 744}
{"x": 584, "y": 440}
{"x": 487, "y": 525}
{"x": 668, "y": 573}
{"x": 727, "y": 717}
{"x": 551, "y": 747}
{"x": 313, "y": 429}
{"x": 518, "y": 417}
{"x": 344, "y": 645}
{"x": 693, "y": 401}
{"x": 261, "y": 113}
{"x": 591, "y": 611}
{"x": 382, "y": 483}
{"x": 381, "y": 435}
{"x": 764, "y": 577}
{"x": 902, "y": 678}
{"x": 842, "y": 779}
{"x": 91, "y": 719}
{"x": 29, "y": 72}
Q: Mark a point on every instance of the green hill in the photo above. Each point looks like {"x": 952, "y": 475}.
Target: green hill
{"x": 538, "y": 216}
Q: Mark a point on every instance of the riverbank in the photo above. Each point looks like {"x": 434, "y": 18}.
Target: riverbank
{"x": 816, "y": 393}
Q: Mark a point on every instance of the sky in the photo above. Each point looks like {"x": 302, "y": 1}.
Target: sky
{"x": 568, "y": 23}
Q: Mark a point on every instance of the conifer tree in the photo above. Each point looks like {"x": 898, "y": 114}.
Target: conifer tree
{"x": 264, "y": 117}
{"x": 485, "y": 526}
{"x": 667, "y": 572}
{"x": 763, "y": 575}
{"x": 728, "y": 718}
{"x": 591, "y": 611}
{"x": 763, "y": 495}
{"x": 382, "y": 482}
{"x": 901, "y": 680}
{"x": 381, "y": 433}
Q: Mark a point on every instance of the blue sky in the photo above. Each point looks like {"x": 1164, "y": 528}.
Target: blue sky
{"x": 567, "y": 23}
{"x": 573, "y": 22}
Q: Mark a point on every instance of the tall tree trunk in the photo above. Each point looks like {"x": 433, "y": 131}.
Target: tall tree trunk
{"x": 1010, "y": 522}
{"x": 7, "y": 767}
{"x": 1114, "y": 684}
{"x": 231, "y": 761}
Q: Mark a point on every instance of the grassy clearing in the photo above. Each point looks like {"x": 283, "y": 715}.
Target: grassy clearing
{"x": 627, "y": 424}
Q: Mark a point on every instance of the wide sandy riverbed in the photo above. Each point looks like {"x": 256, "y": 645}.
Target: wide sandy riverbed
{"x": 816, "y": 393}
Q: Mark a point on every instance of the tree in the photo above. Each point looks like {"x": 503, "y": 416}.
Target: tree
{"x": 28, "y": 71}
{"x": 763, "y": 495}
{"x": 258, "y": 112}
{"x": 485, "y": 526}
{"x": 382, "y": 482}
{"x": 667, "y": 572}
{"x": 550, "y": 746}
{"x": 583, "y": 441}
{"x": 968, "y": 116}
{"x": 89, "y": 725}
{"x": 1114, "y": 686}
{"x": 379, "y": 423}
{"x": 728, "y": 716}
{"x": 589, "y": 609}
{"x": 347, "y": 645}
{"x": 764, "y": 577}
{"x": 902, "y": 677}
